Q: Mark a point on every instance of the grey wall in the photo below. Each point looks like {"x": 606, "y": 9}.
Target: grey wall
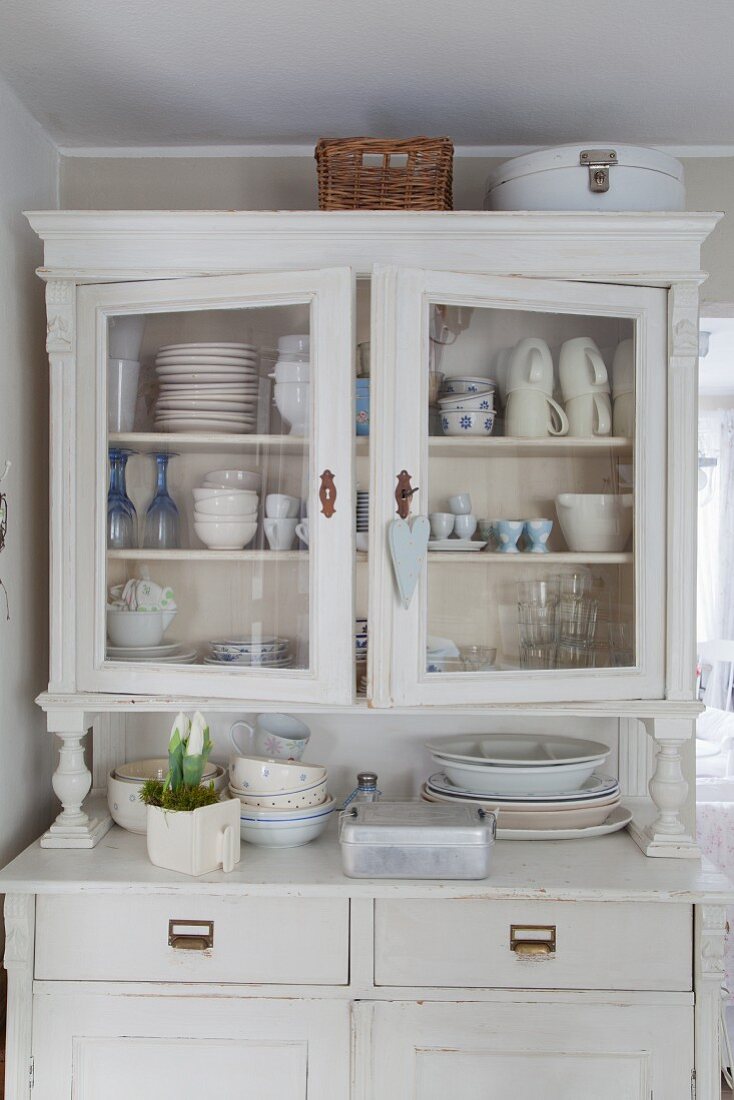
{"x": 289, "y": 183}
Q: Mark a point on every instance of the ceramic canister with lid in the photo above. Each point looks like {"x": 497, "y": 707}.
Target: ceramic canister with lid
{"x": 594, "y": 175}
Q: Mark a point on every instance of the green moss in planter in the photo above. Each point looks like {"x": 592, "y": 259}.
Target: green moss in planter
{"x": 184, "y": 799}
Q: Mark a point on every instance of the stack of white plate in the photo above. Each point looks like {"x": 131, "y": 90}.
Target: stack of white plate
{"x": 173, "y": 653}
{"x": 544, "y": 788}
{"x": 267, "y": 651}
{"x": 207, "y": 387}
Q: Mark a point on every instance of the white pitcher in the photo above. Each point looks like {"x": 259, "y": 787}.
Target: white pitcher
{"x": 589, "y": 414}
{"x": 533, "y": 414}
{"x": 530, "y": 367}
{"x": 581, "y": 370}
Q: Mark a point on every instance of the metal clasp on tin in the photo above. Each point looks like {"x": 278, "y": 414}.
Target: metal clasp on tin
{"x": 598, "y": 161}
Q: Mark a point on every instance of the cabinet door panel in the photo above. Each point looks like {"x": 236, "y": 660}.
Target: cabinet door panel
{"x": 252, "y": 575}
{"x": 162, "y": 1048}
{"x": 557, "y": 1051}
{"x": 582, "y": 511}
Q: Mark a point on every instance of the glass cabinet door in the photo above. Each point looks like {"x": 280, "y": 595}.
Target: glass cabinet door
{"x": 215, "y": 493}
{"x": 531, "y": 417}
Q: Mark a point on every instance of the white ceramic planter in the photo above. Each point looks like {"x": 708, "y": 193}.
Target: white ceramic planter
{"x": 197, "y": 841}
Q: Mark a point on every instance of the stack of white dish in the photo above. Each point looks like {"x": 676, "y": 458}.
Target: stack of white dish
{"x": 171, "y": 653}
{"x": 363, "y": 519}
{"x": 543, "y": 788}
{"x": 207, "y": 387}
{"x": 284, "y": 803}
{"x": 124, "y": 784}
{"x": 466, "y": 405}
{"x": 265, "y": 651}
{"x": 292, "y": 374}
{"x": 225, "y": 509}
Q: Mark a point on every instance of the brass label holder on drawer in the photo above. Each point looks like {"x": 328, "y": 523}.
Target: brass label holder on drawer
{"x": 191, "y": 935}
{"x": 533, "y": 940}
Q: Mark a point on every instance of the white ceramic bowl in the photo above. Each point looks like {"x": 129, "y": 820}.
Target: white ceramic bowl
{"x": 137, "y": 771}
{"x": 204, "y": 517}
{"x": 229, "y": 504}
{"x": 293, "y": 402}
{"x": 466, "y": 384}
{"x": 207, "y": 494}
{"x": 301, "y": 814}
{"x": 477, "y": 402}
{"x": 266, "y": 775}
{"x": 234, "y": 479}
{"x": 595, "y": 522}
{"x": 123, "y": 796}
{"x": 291, "y": 372}
{"x": 285, "y": 834}
{"x": 137, "y": 628}
{"x": 504, "y": 779}
{"x": 287, "y": 800}
{"x": 467, "y": 422}
{"x": 298, "y": 343}
{"x": 225, "y": 534}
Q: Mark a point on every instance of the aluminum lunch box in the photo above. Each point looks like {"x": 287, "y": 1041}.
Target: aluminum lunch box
{"x": 593, "y": 176}
{"x": 416, "y": 840}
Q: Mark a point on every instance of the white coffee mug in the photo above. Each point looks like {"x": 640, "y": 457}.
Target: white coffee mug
{"x": 278, "y": 735}
{"x": 280, "y": 533}
{"x": 532, "y": 414}
{"x": 442, "y": 524}
{"x": 302, "y": 531}
{"x": 282, "y": 506}
{"x": 623, "y": 415}
{"x": 589, "y": 414}
{"x": 581, "y": 369}
{"x": 531, "y": 366}
{"x": 623, "y": 368}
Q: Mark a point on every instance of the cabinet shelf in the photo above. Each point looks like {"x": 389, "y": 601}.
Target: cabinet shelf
{"x": 208, "y": 441}
{"x": 272, "y": 556}
{"x": 563, "y": 558}
{"x": 560, "y": 447}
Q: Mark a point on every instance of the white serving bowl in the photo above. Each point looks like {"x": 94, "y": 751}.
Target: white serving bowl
{"x": 595, "y": 522}
{"x": 505, "y": 779}
{"x": 234, "y": 479}
{"x": 137, "y": 628}
{"x": 204, "y": 517}
{"x": 227, "y": 534}
{"x": 467, "y": 422}
{"x": 227, "y": 505}
{"x": 291, "y": 372}
{"x": 301, "y": 814}
{"x": 293, "y": 402}
{"x": 314, "y": 795}
{"x": 137, "y": 771}
{"x": 285, "y": 834}
{"x": 266, "y": 775}
{"x": 123, "y": 795}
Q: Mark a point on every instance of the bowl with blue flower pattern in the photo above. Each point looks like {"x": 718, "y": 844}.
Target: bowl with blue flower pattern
{"x": 467, "y": 422}
{"x": 266, "y": 775}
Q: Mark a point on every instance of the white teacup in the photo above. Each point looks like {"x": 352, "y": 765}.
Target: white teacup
{"x": 460, "y": 504}
{"x": 276, "y": 735}
{"x": 532, "y": 414}
{"x": 302, "y": 530}
{"x": 465, "y": 526}
{"x": 282, "y": 506}
{"x": 280, "y": 533}
{"x": 589, "y": 414}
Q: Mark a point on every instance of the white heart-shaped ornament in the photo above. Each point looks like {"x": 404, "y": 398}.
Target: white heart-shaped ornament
{"x": 408, "y": 545}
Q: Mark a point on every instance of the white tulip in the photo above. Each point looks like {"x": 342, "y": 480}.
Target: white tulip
{"x": 199, "y": 726}
{"x": 179, "y": 731}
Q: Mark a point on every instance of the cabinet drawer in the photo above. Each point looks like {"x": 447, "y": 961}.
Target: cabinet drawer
{"x": 469, "y": 943}
{"x": 289, "y": 941}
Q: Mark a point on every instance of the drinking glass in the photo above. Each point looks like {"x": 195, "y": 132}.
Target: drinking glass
{"x": 543, "y": 593}
{"x": 538, "y": 656}
{"x": 621, "y": 649}
{"x": 122, "y": 519}
{"x": 537, "y": 623}
{"x": 162, "y": 529}
{"x": 477, "y": 658}
{"x": 575, "y": 585}
{"x": 575, "y": 655}
{"x": 577, "y": 619}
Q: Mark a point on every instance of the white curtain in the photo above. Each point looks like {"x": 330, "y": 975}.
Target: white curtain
{"x": 716, "y": 541}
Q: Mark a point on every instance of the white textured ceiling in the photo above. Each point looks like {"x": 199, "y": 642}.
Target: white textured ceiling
{"x": 485, "y": 72}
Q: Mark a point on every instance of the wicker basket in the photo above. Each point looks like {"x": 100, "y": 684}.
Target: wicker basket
{"x": 377, "y": 174}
